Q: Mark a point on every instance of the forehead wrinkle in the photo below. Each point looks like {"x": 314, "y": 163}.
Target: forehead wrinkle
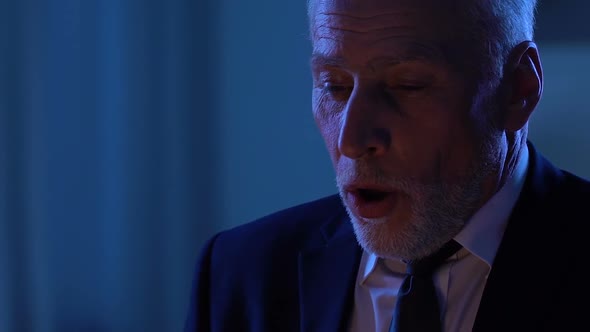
{"x": 354, "y": 24}
{"x": 411, "y": 50}
{"x": 327, "y": 28}
{"x": 402, "y": 52}
{"x": 366, "y": 8}
{"x": 329, "y": 31}
{"x": 357, "y": 16}
{"x": 321, "y": 60}
{"x": 393, "y": 31}
{"x": 341, "y": 29}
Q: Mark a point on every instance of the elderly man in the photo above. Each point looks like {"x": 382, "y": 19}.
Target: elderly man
{"x": 424, "y": 107}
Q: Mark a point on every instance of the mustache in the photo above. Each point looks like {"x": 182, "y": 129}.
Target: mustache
{"x": 368, "y": 173}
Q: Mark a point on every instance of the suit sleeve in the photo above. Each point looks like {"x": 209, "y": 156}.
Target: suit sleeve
{"x": 198, "y": 318}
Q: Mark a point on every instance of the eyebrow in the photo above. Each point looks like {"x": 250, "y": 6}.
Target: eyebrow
{"x": 318, "y": 59}
{"x": 413, "y": 53}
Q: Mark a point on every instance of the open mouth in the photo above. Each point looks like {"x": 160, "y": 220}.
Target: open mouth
{"x": 371, "y": 195}
{"x": 371, "y": 202}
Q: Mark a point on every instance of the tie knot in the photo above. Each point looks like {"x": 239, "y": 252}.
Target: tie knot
{"x": 427, "y": 265}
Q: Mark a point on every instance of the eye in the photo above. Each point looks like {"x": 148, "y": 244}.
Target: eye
{"x": 334, "y": 82}
{"x": 410, "y": 79}
{"x": 336, "y": 88}
{"x": 337, "y": 91}
{"x": 411, "y": 87}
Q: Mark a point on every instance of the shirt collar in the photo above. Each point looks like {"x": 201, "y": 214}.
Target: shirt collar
{"x": 369, "y": 262}
{"x": 481, "y": 236}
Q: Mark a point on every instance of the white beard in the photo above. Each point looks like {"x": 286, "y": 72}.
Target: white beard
{"x": 439, "y": 210}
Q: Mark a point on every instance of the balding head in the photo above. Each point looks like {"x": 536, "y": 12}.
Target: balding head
{"x": 495, "y": 27}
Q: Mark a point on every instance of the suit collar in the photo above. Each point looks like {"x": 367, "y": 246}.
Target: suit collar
{"x": 515, "y": 296}
{"x": 327, "y": 272}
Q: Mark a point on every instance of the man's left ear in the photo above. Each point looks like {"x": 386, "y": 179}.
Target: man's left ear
{"x": 524, "y": 76}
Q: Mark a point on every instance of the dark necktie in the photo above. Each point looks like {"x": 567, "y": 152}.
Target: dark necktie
{"x": 416, "y": 309}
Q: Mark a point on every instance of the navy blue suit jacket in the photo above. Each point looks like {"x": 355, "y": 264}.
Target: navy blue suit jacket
{"x": 295, "y": 270}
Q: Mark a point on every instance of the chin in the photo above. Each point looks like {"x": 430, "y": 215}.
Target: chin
{"x": 373, "y": 221}
{"x": 411, "y": 238}
{"x": 382, "y": 236}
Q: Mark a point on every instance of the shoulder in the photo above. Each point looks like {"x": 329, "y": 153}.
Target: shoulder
{"x": 265, "y": 252}
{"x": 570, "y": 210}
{"x": 282, "y": 231}
{"x": 571, "y": 196}
{"x": 257, "y": 262}
{"x": 555, "y": 189}
{"x": 560, "y": 208}
{"x": 576, "y": 184}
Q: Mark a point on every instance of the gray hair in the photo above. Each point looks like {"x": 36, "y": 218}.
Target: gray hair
{"x": 496, "y": 25}
{"x": 500, "y": 25}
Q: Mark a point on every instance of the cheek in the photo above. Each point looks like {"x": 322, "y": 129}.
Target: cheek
{"x": 330, "y": 131}
{"x": 327, "y": 119}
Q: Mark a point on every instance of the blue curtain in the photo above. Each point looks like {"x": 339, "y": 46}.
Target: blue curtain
{"x": 108, "y": 162}
{"x": 131, "y": 131}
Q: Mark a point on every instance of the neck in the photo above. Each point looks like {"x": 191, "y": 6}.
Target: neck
{"x": 514, "y": 143}
{"x": 509, "y": 154}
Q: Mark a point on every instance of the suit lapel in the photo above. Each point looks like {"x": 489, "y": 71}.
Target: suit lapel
{"x": 515, "y": 296}
{"x": 327, "y": 274}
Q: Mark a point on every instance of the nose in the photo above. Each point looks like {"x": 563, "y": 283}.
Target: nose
{"x": 363, "y": 132}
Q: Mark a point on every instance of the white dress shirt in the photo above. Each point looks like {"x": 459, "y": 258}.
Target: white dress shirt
{"x": 459, "y": 282}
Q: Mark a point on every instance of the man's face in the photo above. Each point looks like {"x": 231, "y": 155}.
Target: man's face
{"x": 408, "y": 130}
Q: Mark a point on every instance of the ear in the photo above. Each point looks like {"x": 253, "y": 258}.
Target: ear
{"x": 524, "y": 78}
